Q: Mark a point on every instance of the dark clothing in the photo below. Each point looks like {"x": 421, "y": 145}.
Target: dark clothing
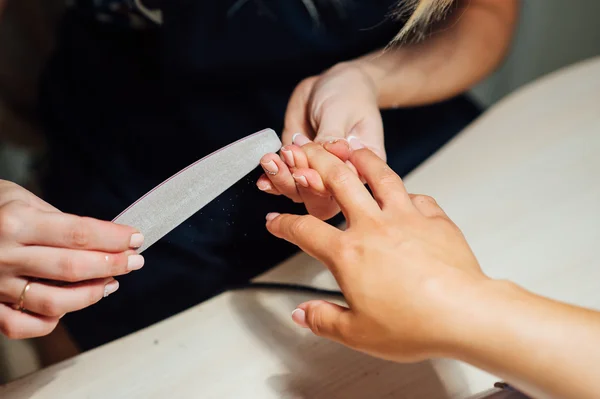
{"x": 125, "y": 109}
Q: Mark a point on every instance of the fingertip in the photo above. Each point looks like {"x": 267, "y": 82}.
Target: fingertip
{"x": 310, "y": 178}
{"x": 339, "y": 147}
{"x": 355, "y": 143}
{"x": 263, "y": 183}
{"x": 300, "y": 179}
{"x": 136, "y": 240}
{"x": 299, "y": 317}
{"x": 288, "y": 156}
{"x": 300, "y": 140}
{"x": 272, "y": 216}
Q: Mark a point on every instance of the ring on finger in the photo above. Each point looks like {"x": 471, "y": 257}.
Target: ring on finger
{"x": 21, "y": 303}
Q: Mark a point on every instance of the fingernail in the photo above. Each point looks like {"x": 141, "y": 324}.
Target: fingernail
{"x": 111, "y": 288}
{"x": 136, "y": 241}
{"x": 288, "y": 155}
{"x": 263, "y": 186}
{"x": 301, "y": 180}
{"x": 355, "y": 143}
{"x": 272, "y": 216}
{"x": 299, "y": 317}
{"x": 135, "y": 262}
{"x": 270, "y": 167}
{"x": 299, "y": 139}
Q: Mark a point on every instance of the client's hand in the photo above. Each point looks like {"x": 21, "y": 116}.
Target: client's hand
{"x": 399, "y": 262}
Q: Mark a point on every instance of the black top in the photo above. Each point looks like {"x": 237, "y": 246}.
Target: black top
{"x": 126, "y": 108}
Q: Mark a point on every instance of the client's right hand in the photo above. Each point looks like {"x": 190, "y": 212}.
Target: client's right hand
{"x": 66, "y": 262}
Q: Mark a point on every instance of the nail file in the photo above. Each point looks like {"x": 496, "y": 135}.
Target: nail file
{"x": 176, "y": 199}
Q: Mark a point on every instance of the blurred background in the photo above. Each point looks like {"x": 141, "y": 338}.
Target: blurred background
{"x": 552, "y": 34}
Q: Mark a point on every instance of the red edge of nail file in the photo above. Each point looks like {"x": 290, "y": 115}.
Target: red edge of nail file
{"x": 176, "y": 199}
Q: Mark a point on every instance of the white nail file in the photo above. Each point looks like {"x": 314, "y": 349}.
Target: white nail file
{"x": 176, "y": 199}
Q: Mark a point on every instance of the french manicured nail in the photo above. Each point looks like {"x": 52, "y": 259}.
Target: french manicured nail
{"x": 111, "y": 288}
{"x": 270, "y": 167}
{"x": 271, "y": 216}
{"x": 288, "y": 156}
{"x": 301, "y": 180}
{"x": 299, "y": 139}
{"x": 135, "y": 262}
{"x": 263, "y": 186}
{"x": 136, "y": 241}
{"x": 299, "y": 317}
{"x": 355, "y": 143}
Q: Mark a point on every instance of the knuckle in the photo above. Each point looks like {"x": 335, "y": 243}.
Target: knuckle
{"x": 388, "y": 177}
{"x": 10, "y": 220}
{"x": 49, "y": 306}
{"x": 78, "y": 234}
{"x": 350, "y": 248}
{"x": 115, "y": 264}
{"x": 306, "y": 84}
{"x": 49, "y": 327}
{"x": 299, "y": 226}
{"x": 339, "y": 175}
{"x": 315, "y": 321}
{"x": 94, "y": 296}
{"x": 10, "y": 330}
{"x": 424, "y": 199}
{"x": 67, "y": 268}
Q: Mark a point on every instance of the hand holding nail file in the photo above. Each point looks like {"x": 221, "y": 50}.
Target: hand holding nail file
{"x": 185, "y": 193}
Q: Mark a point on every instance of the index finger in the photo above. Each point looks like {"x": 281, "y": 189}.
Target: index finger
{"x": 313, "y": 236}
{"x": 69, "y": 231}
{"x": 345, "y": 186}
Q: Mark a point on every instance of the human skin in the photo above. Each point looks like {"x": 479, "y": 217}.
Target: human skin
{"x": 415, "y": 290}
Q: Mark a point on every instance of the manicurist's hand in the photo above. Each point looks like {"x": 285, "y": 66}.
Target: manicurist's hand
{"x": 414, "y": 289}
{"x": 52, "y": 263}
{"x": 338, "y": 108}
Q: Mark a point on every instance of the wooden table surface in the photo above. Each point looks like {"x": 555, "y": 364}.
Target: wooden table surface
{"x": 522, "y": 182}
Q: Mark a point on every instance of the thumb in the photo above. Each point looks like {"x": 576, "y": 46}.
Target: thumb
{"x": 296, "y": 114}
{"x": 325, "y": 319}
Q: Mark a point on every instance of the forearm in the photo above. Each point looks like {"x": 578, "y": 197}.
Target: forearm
{"x": 470, "y": 45}
{"x": 542, "y": 347}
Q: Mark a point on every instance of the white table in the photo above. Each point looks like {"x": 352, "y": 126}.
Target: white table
{"x": 522, "y": 182}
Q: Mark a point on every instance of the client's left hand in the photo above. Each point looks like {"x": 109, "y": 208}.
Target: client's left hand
{"x": 332, "y": 108}
{"x": 406, "y": 271}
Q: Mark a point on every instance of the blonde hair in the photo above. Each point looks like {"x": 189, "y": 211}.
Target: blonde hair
{"x": 420, "y": 14}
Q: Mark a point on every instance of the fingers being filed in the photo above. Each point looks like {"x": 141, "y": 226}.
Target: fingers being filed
{"x": 386, "y": 185}
{"x": 427, "y": 205}
{"x": 340, "y": 148}
{"x": 69, "y": 265}
{"x": 310, "y": 178}
{"x": 313, "y": 236}
{"x": 47, "y": 299}
{"x": 19, "y": 325}
{"x": 325, "y": 319}
{"x": 280, "y": 176}
{"x": 264, "y": 184}
{"x": 62, "y": 230}
{"x": 294, "y": 157}
{"x": 345, "y": 186}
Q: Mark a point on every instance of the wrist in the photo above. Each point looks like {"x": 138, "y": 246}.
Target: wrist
{"x": 472, "y": 313}
{"x": 394, "y": 83}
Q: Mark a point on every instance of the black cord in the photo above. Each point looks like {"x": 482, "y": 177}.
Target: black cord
{"x": 286, "y": 287}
